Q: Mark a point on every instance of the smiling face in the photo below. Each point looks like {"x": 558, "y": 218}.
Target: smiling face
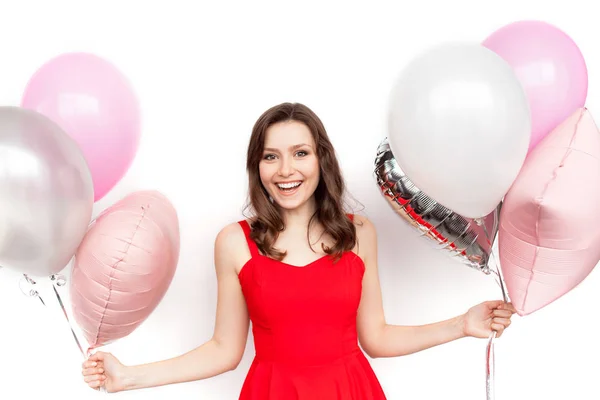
{"x": 289, "y": 168}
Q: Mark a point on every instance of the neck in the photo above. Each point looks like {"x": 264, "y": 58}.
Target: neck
{"x": 299, "y": 217}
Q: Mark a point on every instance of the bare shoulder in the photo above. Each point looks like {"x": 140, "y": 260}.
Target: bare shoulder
{"x": 365, "y": 229}
{"x": 230, "y": 234}
{"x": 366, "y": 237}
{"x": 231, "y": 249}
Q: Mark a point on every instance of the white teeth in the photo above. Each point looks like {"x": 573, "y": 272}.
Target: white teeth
{"x": 288, "y": 185}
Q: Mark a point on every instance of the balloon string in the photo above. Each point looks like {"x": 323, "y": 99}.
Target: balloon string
{"x": 56, "y": 282}
{"x": 490, "y": 368}
{"x": 489, "y": 353}
{"x": 32, "y": 292}
{"x": 497, "y": 272}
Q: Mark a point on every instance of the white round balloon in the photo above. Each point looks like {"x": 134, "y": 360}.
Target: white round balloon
{"x": 459, "y": 126}
{"x": 46, "y": 193}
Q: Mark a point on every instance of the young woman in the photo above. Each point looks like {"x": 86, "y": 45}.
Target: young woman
{"x": 305, "y": 273}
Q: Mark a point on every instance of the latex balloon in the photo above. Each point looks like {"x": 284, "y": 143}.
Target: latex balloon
{"x": 46, "y": 193}
{"x": 466, "y": 240}
{"x": 549, "y": 66}
{"x": 459, "y": 123}
{"x": 95, "y": 104}
{"x": 549, "y": 240}
{"x": 124, "y": 266}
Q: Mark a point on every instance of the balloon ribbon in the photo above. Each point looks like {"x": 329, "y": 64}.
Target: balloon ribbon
{"x": 489, "y": 353}
{"x": 57, "y": 282}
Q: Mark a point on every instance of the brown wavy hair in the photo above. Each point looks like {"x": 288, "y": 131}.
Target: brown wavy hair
{"x": 267, "y": 222}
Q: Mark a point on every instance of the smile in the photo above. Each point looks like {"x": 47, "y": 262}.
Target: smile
{"x": 289, "y": 186}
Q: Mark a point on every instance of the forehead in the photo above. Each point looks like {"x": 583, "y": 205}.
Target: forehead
{"x": 283, "y": 135}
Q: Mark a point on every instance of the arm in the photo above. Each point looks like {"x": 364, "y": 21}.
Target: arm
{"x": 380, "y": 339}
{"x": 220, "y": 354}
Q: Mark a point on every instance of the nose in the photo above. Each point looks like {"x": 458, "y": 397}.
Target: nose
{"x": 286, "y": 167}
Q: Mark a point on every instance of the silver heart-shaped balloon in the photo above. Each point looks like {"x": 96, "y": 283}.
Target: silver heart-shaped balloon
{"x": 467, "y": 240}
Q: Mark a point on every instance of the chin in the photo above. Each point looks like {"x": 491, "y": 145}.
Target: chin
{"x": 290, "y": 204}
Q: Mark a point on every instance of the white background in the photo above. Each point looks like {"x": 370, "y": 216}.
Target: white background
{"x": 204, "y": 71}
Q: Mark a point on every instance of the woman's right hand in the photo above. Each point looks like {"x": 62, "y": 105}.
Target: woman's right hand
{"x": 103, "y": 369}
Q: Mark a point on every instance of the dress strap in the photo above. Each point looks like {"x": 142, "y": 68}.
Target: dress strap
{"x": 251, "y": 245}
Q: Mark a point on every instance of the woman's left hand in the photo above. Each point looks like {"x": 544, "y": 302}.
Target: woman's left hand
{"x": 486, "y": 317}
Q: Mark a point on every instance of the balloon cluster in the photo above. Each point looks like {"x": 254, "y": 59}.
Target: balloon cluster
{"x": 71, "y": 140}
{"x": 491, "y": 141}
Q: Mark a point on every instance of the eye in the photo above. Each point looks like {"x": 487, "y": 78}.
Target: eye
{"x": 269, "y": 157}
{"x": 301, "y": 153}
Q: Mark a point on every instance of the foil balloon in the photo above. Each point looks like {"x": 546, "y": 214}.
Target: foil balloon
{"x": 465, "y": 239}
{"x": 46, "y": 194}
{"x": 549, "y": 240}
{"x": 124, "y": 266}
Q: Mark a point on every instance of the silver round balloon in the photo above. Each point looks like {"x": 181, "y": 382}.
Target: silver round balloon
{"x": 46, "y": 193}
{"x": 468, "y": 240}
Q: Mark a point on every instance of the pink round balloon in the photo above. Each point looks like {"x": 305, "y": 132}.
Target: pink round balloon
{"x": 549, "y": 66}
{"x": 549, "y": 236}
{"x": 124, "y": 266}
{"x": 94, "y": 103}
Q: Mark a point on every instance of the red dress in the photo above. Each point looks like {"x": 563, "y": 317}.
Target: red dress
{"x": 304, "y": 327}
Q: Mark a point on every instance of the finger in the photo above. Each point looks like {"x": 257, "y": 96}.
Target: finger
{"x": 96, "y": 377}
{"x": 502, "y": 313}
{"x": 505, "y": 322}
{"x": 99, "y": 356}
{"x": 95, "y": 384}
{"x": 509, "y": 307}
{"x": 93, "y": 365}
{"x": 92, "y": 371}
{"x": 494, "y": 303}
{"x": 92, "y": 378}
{"x": 89, "y": 364}
{"x": 498, "y": 328}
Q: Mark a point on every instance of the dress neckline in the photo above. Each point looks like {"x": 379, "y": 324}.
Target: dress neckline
{"x": 297, "y": 266}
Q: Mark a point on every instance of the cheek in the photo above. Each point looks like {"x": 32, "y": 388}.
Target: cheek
{"x": 315, "y": 169}
{"x": 265, "y": 173}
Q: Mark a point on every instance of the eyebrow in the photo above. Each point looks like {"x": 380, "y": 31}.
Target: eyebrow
{"x": 294, "y": 147}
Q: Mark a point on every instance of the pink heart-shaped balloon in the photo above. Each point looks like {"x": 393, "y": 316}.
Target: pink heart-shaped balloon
{"x": 124, "y": 266}
{"x": 549, "y": 236}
